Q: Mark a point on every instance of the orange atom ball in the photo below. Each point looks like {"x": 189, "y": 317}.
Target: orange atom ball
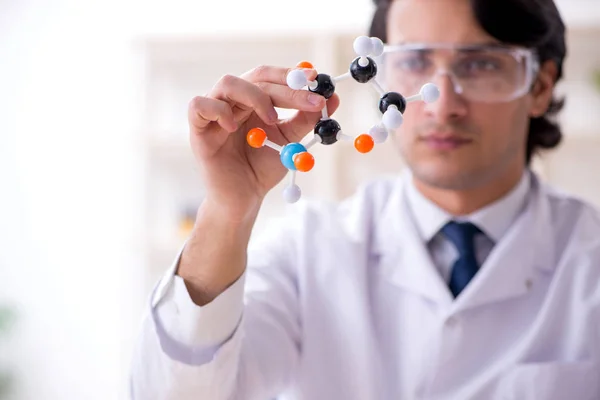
{"x": 364, "y": 143}
{"x": 256, "y": 137}
{"x": 305, "y": 64}
{"x": 304, "y": 161}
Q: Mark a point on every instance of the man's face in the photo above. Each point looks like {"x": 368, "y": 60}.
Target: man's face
{"x": 455, "y": 142}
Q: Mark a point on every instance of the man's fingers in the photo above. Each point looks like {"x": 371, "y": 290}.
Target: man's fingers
{"x": 285, "y": 97}
{"x": 303, "y": 122}
{"x": 233, "y": 99}
{"x": 204, "y": 110}
{"x": 245, "y": 95}
{"x": 277, "y": 75}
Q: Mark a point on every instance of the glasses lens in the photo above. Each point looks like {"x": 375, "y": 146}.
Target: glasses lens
{"x": 484, "y": 75}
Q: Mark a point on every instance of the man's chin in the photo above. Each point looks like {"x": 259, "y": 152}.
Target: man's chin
{"x": 445, "y": 177}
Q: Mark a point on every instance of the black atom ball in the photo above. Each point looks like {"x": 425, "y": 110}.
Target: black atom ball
{"x": 327, "y": 129}
{"x": 325, "y": 86}
{"x": 363, "y": 74}
{"x": 392, "y": 98}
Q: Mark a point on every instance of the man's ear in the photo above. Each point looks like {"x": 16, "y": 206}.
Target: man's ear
{"x": 543, "y": 89}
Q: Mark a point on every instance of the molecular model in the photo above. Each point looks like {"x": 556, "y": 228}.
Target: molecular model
{"x": 363, "y": 69}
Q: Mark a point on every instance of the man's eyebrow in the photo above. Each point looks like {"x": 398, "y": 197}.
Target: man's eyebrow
{"x": 485, "y": 45}
{"x": 417, "y": 47}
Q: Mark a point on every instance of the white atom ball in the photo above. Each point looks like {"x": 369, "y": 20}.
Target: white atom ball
{"x": 430, "y": 93}
{"x": 376, "y": 47}
{"x": 296, "y": 79}
{"x": 292, "y": 193}
{"x": 378, "y": 133}
{"x": 392, "y": 118}
{"x": 363, "y": 46}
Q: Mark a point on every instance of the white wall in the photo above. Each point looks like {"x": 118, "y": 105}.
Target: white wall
{"x": 67, "y": 195}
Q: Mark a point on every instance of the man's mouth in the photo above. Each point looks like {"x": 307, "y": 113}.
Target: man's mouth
{"x": 445, "y": 141}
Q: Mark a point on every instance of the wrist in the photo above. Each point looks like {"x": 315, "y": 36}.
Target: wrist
{"x": 235, "y": 214}
{"x": 215, "y": 254}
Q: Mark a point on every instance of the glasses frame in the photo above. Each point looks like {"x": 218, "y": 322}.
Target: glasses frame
{"x": 530, "y": 56}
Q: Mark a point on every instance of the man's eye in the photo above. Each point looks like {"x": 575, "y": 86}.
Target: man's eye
{"x": 412, "y": 64}
{"x": 479, "y": 65}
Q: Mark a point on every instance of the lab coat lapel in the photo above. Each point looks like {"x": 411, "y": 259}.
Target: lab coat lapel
{"x": 403, "y": 257}
{"x": 510, "y": 269}
{"x": 508, "y": 272}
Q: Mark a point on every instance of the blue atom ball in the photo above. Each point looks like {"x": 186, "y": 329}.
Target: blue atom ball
{"x": 288, "y": 152}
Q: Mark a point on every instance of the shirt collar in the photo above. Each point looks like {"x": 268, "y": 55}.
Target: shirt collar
{"x": 494, "y": 219}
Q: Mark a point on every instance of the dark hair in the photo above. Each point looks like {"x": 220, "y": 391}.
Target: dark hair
{"x": 532, "y": 23}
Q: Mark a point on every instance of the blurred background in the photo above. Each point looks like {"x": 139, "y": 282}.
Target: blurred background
{"x": 98, "y": 187}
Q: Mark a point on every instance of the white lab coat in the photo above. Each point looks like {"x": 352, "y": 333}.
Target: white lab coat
{"x": 342, "y": 301}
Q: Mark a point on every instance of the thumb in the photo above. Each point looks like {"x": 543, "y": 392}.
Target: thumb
{"x": 295, "y": 128}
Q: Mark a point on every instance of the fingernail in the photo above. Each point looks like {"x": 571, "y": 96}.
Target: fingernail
{"x": 309, "y": 72}
{"x": 315, "y": 99}
{"x": 273, "y": 116}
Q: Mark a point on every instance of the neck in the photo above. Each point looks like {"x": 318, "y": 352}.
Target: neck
{"x": 466, "y": 201}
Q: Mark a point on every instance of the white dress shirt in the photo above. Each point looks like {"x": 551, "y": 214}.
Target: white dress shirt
{"x": 494, "y": 220}
{"x": 343, "y": 301}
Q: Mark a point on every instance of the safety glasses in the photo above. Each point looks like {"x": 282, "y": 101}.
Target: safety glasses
{"x": 490, "y": 73}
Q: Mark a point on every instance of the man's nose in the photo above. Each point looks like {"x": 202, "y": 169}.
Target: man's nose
{"x": 450, "y": 105}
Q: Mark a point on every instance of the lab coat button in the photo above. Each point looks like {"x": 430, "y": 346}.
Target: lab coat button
{"x": 451, "y": 321}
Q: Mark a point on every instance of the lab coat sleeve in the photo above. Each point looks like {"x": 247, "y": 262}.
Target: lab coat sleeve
{"x": 242, "y": 345}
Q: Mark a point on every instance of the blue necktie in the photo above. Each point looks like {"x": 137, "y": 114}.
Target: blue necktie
{"x": 462, "y": 236}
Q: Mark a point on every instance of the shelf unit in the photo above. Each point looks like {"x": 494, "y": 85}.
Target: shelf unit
{"x": 177, "y": 69}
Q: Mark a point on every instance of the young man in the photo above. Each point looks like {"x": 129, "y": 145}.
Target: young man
{"x": 466, "y": 278}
